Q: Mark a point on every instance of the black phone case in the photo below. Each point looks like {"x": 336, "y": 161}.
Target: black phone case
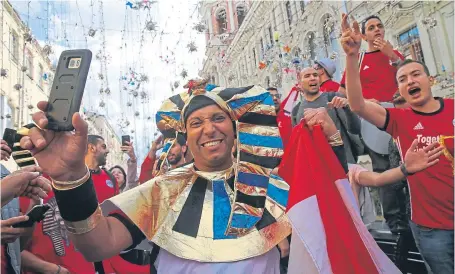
{"x": 67, "y": 90}
{"x": 36, "y": 214}
{"x": 125, "y": 138}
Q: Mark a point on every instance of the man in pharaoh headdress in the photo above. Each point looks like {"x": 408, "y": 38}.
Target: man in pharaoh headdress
{"x": 215, "y": 215}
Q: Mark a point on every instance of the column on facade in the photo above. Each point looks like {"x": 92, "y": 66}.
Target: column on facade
{"x": 443, "y": 43}
{"x": 231, "y": 7}
{"x": 427, "y": 49}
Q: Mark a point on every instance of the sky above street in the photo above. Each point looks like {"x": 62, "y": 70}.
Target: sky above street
{"x": 131, "y": 39}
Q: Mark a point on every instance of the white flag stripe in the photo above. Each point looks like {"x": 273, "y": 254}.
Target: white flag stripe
{"x": 380, "y": 259}
{"x": 308, "y": 227}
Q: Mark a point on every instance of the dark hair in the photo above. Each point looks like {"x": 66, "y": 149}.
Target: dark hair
{"x": 272, "y": 88}
{"x": 124, "y": 175}
{"x": 181, "y": 140}
{"x": 93, "y": 139}
{"x": 410, "y": 61}
{"x": 364, "y": 22}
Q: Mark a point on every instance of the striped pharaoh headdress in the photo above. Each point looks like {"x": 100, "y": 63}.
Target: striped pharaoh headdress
{"x": 259, "y": 145}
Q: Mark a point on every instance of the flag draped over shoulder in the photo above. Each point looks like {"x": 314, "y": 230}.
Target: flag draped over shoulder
{"x": 284, "y": 116}
{"x": 328, "y": 235}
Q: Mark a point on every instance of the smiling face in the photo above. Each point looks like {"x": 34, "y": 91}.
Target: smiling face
{"x": 374, "y": 29}
{"x": 414, "y": 84}
{"x": 99, "y": 151}
{"x": 309, "y": 81}
{"x": 210, "y": 138}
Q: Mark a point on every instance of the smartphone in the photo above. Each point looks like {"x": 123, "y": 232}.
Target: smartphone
{"x": 68, "y": 88}
{"x": 126, "y": 138}
{"x": 36, "y": 214}
{"x": 9, "y": 136}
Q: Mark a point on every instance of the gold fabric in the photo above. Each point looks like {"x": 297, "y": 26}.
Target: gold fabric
{"x": 86, "y": 225}
{"x": 445, "y": 151}
{"x": 155, "y": 206}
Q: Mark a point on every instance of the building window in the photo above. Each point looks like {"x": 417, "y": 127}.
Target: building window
{"x": 327, "y": 32}
{"x": 310, "y": 55}
{"x": 221, "y": 21}
{"x": 6, "y": 116}
{"x": 271, "y": 35}
{"x": 254, "y": 57}
{"x": 14, "y": 46}
{"x": 410, "y": 43}
{"x": 241, "y": 13}
{"x": 29, "y": 63}
{"x": 289, "y": 12}
{"x": 40, "y": 75}
{"x": 302, "y": 6}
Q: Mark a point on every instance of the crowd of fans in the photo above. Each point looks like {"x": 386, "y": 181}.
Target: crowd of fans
{"x": 414, "y": 178}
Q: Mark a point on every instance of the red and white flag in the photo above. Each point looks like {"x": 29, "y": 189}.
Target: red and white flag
{"x": 328, "y": 235}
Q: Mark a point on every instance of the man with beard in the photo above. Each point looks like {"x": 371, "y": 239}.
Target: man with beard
{"x": 312, "y": 98}
{"x": 175, "y": 158}
{"x": 176, "y": 155}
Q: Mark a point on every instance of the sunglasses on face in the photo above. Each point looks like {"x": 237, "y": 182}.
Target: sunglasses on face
{"x": 276, "y": 96}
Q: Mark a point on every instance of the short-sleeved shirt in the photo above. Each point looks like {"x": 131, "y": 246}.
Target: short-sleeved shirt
{"x": 377, "y": 76}
{"x": 329, "y": 85}
{"x": 431, "y": 190}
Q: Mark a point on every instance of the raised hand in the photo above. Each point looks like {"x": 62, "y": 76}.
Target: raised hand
{"x": 59, "y": 154}
{"x": 418, "y": 160}
{"x": 129, "y": 150}
{"x": 338, "y": 102}
{"x": 384, "y": 46}
{"x": 351, "y": 38}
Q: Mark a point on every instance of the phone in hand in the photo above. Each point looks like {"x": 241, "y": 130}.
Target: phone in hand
{"x": 68, "y": 88}
{"x": 36, "y": 214}
{"x": 126, "y": 138}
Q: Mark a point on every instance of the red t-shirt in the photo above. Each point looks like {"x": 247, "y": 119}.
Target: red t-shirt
{"x": 329, "y": 85}
{"x": 377, "y": 76}
{"x": 431, "y": 190}
{"x": 146, "y": 170}
{"x": 3, "y": 258}
{"x": 50, "y": 240}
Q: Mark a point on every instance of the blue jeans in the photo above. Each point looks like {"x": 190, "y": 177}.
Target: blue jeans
{"x": 435, "y": 246}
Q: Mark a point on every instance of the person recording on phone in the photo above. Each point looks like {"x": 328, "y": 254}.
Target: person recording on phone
{"x": 26, "y": 182}
{"x": 126, "y": 180}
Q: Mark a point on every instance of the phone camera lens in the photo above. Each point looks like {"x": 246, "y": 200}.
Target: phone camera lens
{"x": 72, "y": 63}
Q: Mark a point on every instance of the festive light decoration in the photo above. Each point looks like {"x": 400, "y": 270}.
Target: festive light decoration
{"x": 17, "y": 86}
{"x": 107, "y": 91}
{"x": 199, "y": 27}
{"x": 30, "y": 106}
{"x": 191, "y": 47}
{"x": 23, "y": 68}
{"x": 91, "y": 32}
{"x": 176, "y": 84}
{"x": 102, "y": 104}
{"x": 184, "y": 73}
{"x": 151, "y": 26}
{"x": 47, "y": 50}
{"x": 136, "y": 113}
{"x": 3, "y": 72}
{"x": 262, "y": 65}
